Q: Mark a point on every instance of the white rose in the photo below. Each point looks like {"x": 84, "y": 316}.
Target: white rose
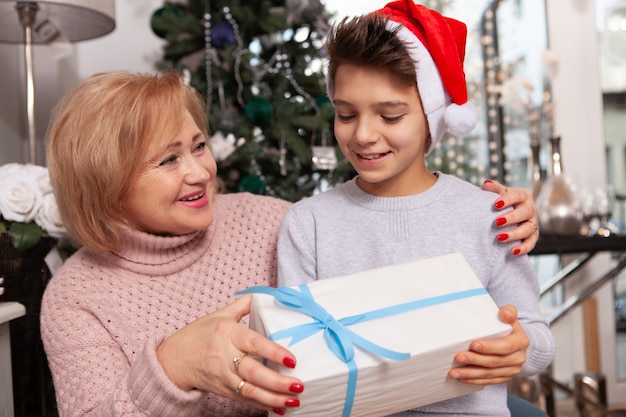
{"x": 41, "y": 176}
{"x": 49, "y": 218}
{"x": 20, "y": 195}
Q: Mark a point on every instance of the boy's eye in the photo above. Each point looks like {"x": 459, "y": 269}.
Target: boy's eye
{"x": 391, "y": 119}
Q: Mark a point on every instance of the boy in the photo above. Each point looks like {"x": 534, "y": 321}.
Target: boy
{"x": 396, "y": 80}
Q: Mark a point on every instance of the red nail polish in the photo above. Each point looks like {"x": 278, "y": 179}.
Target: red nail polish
{"x": 516, "y": 251}
{"x": 279, "y": 411}
{"x": 289, "y": 363}
{"x": 500, "y": 221}
{"x": 292, "y": 402}
{"x": 503, "y": 236}
{"x": 499, "y": 204}
{"x": 295, "y": 387}
{"x": 487, "y": 181}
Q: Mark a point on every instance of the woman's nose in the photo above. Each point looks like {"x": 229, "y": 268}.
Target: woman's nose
{"x": 198, "y": 169}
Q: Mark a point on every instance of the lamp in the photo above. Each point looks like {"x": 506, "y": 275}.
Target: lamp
{"x": 42, "y": 21}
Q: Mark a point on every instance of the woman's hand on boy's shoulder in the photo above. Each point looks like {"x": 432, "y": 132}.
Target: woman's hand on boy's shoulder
{"x": 524, "y": 214}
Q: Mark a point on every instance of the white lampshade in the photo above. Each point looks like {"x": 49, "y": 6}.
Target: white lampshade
{"x": 76, "y": 20}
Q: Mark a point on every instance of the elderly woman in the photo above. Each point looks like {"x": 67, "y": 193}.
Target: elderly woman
{"x": 142, "y": 319}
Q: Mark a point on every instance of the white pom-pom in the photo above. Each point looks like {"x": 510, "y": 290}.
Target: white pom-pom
{"x": 461, "y": 119}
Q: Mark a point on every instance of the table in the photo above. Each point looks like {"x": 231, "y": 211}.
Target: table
{"x": 550, "y": 244}
{"x": 587, "y": 247}
{"x": 8, "y": 312}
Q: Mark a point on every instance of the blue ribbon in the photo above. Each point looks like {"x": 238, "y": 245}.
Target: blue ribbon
{"x": 339, "y": 338}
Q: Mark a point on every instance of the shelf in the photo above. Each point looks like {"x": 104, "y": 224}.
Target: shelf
{"x": 550, "y": 244}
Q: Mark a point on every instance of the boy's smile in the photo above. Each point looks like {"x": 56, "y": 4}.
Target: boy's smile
{"x": 381, "y": 128}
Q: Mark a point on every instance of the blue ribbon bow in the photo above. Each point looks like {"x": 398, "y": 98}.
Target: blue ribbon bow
{"x": 339, "y": 338}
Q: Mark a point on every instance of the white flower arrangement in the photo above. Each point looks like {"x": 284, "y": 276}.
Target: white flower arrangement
{"x": 28, "y": 209}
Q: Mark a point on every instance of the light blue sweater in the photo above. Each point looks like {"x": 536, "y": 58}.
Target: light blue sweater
{"x": 346, "y": 230}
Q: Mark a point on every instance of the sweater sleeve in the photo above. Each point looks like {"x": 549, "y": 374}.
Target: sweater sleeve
{"x": 93, "y": 376}
{"x": 514, "y": 282}
{"x": 296, "y": 253}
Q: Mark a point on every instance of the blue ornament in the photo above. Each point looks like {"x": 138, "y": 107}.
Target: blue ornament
{"x": 222, "y": 34}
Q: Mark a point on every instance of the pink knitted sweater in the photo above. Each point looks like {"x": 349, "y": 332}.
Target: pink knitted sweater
{"x": 104, "y": 314}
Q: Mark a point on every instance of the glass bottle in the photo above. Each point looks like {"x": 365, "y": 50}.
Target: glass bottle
{"x": 558, "y": 206}
{"x": 536, "y": 179}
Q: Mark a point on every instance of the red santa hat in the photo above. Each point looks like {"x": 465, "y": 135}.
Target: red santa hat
{"x": 437, "y": 46}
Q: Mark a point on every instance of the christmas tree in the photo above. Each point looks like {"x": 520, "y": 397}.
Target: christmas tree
{"x": 259, "y": 66}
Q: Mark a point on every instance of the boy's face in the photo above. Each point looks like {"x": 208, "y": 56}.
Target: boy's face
{"x": 381, "y": 128}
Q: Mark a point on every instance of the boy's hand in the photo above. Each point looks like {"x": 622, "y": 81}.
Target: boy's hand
{"x": 490, "y": 362}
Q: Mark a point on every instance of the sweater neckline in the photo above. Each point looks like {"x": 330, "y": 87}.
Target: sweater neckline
{"x": 150, "y": 254}
{"x": 373, "y": 202}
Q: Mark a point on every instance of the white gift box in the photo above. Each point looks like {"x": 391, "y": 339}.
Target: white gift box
{"x": 424, "y": 312}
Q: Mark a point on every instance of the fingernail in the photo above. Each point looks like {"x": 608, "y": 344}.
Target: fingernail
{"x": 295, "y": 387}
{"x": 499, "y": 204}
{"x": 455, "y": 375}
{"x": 503, "y": 236}
{"x": 500, "y": 221}
{"x": 516, "y": 251}
{"x": 292, "y": 402}
{"x": 279, "y": 411}
{"x": 487, "y": 181}
{"x": 289, "y": 363}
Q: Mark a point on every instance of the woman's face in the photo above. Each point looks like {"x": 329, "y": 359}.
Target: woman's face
{"x": 172, "y": 194}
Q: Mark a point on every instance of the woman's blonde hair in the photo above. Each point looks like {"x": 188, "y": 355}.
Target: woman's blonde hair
{"x": 99, "y": 137}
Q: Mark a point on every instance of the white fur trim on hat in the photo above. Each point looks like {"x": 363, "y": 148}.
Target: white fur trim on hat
{"x": 440, "y": 111}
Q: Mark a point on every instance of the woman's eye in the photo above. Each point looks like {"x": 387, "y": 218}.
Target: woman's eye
{"x": 345, "y": 117}
{"x": 168, "y": 161}
{"x": 201, "y": 146}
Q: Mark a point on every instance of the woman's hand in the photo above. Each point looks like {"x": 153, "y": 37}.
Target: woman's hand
{"x": 489, "y": 362}
{"x": 524, "y": 213}
{"x": 202, "y": 356}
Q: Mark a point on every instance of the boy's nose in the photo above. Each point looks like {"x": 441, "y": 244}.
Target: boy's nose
{"x": 365, "y": 132}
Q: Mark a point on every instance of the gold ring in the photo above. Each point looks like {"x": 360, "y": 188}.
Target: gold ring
{"x": 239, "y": 387}
{"x": 237, "y": 361}
{"x": 533, "y": 223}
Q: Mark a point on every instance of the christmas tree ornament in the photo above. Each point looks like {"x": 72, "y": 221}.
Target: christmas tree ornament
{"x": 303, "y": 11}
{"x": 229, "y": 119}
{"x": 252, "y": 184}
{"x": 259, "y": 111}
{"x": 239, "y": 51}
{"x": 222, "y": 34}
{"x": 282, "y": 159}
{"x": 327, "y": 110}
{"x": 324, "y": 156}
{"x": 160, "y": 14}
{"x": 313, "y": 11}
{"x": 208, "y": 55}
{"x": 223, "y": 146}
